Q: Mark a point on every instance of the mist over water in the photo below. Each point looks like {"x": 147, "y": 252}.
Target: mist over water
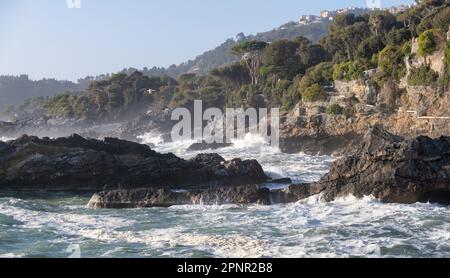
{"x": 48, "y": 225}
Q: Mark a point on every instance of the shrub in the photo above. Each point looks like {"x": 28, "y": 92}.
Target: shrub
{"x": 351, "y": 70}
{"x": 398, "y": 36}
{"x": 406, "y": 49}
{"x": 427, "y": 43}
{"x": 447, "y": 54}
{"x": 348, "y": 113}
{"x": 293, "y": 94}
{"x": 313, "y": 93}
{"x": 335, "y": 109}
{"x": 390, "y": 64}
{"x": 422, "y": 76}
{"x": 444, "y": 81}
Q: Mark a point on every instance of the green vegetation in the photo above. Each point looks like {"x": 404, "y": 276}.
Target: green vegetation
{"x": 422, "y": 76}
{"x": 427, "y": 43}
{"x": 447, "y": 54}
{"x": 14, "y": 90}
{"x": 313, "y": 93}
{"x": 118, "y": 97}
{"x": 350, "y": 70}
{"x": 283, "y": 73}
{"x": 390, "y": 64}
{"x": 335, "y": 109}
{"x": 251, "y": 54}
{"x": 444, "y": 80}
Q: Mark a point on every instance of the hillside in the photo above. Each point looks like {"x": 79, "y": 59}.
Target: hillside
{"x": 373, "y": 69}
{"x": 14, "y": 90}
{"x": 221, "y": 56}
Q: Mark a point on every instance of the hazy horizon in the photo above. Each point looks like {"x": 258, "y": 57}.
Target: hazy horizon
{"x": 46, "y": 39}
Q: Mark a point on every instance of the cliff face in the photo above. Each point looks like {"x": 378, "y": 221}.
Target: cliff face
{"x": 408, "y": 111}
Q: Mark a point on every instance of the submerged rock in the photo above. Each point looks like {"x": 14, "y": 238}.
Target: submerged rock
{"x": 163, "y": 197}
{"x": 76, "y": 163}
{"x": 203, "y": 146}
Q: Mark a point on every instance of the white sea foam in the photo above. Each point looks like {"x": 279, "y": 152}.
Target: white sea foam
{"x": 11, "y": 256}
{"x": 151, "y": 138}
{"x": 69, "y": 222}
{"x": 300, "y": 167}
{"x": 5, "y": 139}
{"x": 309, "y": 228}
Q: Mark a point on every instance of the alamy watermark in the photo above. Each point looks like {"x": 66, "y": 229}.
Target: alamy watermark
{"x": 224, "y": 128}
{"x": 73, "y": 4}
{"x": 373, "y": 4}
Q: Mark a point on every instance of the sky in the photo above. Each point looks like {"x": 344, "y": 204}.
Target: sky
{"x": 46, "y": 38}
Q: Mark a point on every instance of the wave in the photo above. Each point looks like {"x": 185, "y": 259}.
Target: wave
{"x": 5, "y": 139}
{"x": 151, "y": 138}
{"x": 309, "y": 228}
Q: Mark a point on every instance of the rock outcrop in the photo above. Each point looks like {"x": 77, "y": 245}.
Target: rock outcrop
{"x": 76, "y": 163}
{"x": 203, "y": 146}
{"x": 385, "y": 166}
{"x": 160, "y": 197}
{"x": 319, "y": 134}
{"x": 389, "y": 168}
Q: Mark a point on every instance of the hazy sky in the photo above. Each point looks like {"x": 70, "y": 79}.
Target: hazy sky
{"x": 44, "y": 38}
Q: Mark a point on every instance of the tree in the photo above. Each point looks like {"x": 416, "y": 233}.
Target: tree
{"x": 344, "y": 38}
{"x": 282, "y": 60}
{"x": 235, "y": 73}
{"x": 442, "y": 19}
{"x": 398, "y": 36}
{"x": 370, "y": 46}
{"x": 313, "y": 54}
{"x": 390, "y": 63}
{"x": 251, "y": 53}
{"x": 381, "y": 22}
{"x": 410, "y": 19}
{"x": 353, "y": 35}
{"x": 83, "y": 108}
{"x": 341, "y": 21}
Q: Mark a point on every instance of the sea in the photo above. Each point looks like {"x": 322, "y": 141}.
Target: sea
{"x": 59, "y": 225}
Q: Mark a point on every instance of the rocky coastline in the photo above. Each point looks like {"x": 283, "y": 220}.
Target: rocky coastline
{"x": 78, "y": 164}
{"x": 388, "y": 167}
{"x": 130, "y": 175}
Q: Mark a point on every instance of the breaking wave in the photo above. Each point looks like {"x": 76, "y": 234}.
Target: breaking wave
{"x": 347, "y": 227}
{"x": 42, "y": 225}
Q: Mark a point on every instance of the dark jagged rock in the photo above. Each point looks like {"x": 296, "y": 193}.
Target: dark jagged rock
{"x": 317, "y": 135}
{"x": 76, "y": 163}
{"x": 320, "y": 144}
{"x": 386, "y": 166}
{"x": 281, "y": 181}
{"x": 160, "y": 197}
{"x": 389, "y": 168}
